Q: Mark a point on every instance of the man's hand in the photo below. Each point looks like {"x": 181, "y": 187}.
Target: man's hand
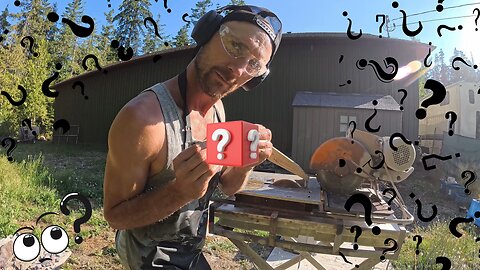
{"x": 192, "y": 172}
{"x": 264, "y": 145}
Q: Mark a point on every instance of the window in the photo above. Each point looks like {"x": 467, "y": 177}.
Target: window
{"x": 446, "y": 100}
{"x": 344, "y": 120}
{"x": 471, "y": 96}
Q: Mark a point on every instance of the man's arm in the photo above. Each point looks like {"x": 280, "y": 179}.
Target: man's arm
{"x": 234, "y": 179}
{"x": 132, "y": 148}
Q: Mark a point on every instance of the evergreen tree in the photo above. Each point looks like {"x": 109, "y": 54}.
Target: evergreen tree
{"x": 237, "y": 2}
{"x": 4, "y": 25}
{"x": 182, "y": 37}
{"x": 200, "y": 9}
{"x": 440, "y": 70}
{"x": 32, "y": 20}
{"x": 130, "y": 28}
{"x": 151, "y": 42}
{"x": 107, "y": 54}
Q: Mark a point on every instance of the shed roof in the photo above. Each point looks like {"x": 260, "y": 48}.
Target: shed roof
{"x": 341, "y": 100}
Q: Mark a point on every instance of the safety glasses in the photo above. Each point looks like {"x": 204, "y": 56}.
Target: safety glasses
{"x": 237, "y": 49}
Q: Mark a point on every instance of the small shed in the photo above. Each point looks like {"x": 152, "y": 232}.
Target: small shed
{"x": 319, "y": 116}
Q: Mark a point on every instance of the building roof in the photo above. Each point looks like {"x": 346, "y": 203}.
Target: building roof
{"x": 286, "y": 36}
{"x": 341, "y": 100}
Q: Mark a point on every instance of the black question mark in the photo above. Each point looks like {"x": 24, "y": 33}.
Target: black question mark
{"x": 419, "y": 210}
{"x": 4, "y": 32}
{"x": 358, "y": 232}
{"x": 450, "y": 28}
{"x": 348, "y": 81}
{"x": 417, "y": 251}
{"x": 165, "y": 6}
{"x": 95, "y": 59}
{"x": 30, "y": 47}
{"x": 121, "y": 51}
{"x": 454, "y": 223}
{"x": 470, "y": 181}
{"x": 184, "y": 16}
{"x": 381, "y": 25}
{"x": 13, "y": 102}
{"x": 78, "y": 221}
{"x": 380, "y": 164}
{"x": 394, "y": 195}
{"x": 345, "y": 259}
{"x": 405, "y": 28}
{"x": 461, "y": 60}
{"x": 382, "y": 75}
{"x": 453, "y": 117}
{"x": 439, "y": 7}
{"x": 28, "y": 122}
{"x": 349, "y": 30}
{"x": 46, "y": 84}
{"x": 403, "y": 98}
{"x": 431, "y": 167}
{"x": 82, "y": 87}
{"x": 392, "y": 248}
{"x": 428, "y": 55}
{"x": 397, "y": 135}
{"x": 367, "y": 205}
{"x": 439, "y": 93}
{"x": 78, "y": 30}
{"x": 369, "y": 119}
{"x": 476, "y": 19}
{"x": 12, "y": 145}
{"x": 447, "y": 264}
{"x": 354, "y": 127}
{"x": 155, "y": 27}
{"x": 62, "y": 123}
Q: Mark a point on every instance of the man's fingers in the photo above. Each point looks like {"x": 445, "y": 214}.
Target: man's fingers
{"x": 187, "y": 153}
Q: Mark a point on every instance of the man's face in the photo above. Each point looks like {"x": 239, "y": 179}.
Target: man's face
{"x": 218, "y": 73}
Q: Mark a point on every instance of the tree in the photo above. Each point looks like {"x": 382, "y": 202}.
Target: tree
{"x": 107, "y": 54}
{"x": 4, "y": 25}
{"x": 151, "y": 42}
{"x": 440, "y": 71}
{"x": 130, "y": 28}
{"x": 237, "y": 2}
{"x": 182, "y": 37}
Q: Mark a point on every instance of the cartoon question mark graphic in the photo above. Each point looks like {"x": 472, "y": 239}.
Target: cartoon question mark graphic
{"x": 345, "y": 259}
{"x": 82, "y": 87}
{"x": 109, "y": 3}
{"x": 439, "y": 93}
{"x": 354, "y": 127}
{"x": 394, "y": 195}
{"x": 45, "y": 85}
{"x": 453, "y": 116}
{"x": 463, "y": 61}
{"x": 155, "y": 27}
{"x": 383, "y": 76}
{"x": 349, "y": 33}
{"x": 78, "y": 221}
{"x": 78, "y": 30}
{"x": 419, "y": 210}
{"x": 454, "y": 223}
{"x": 358, "y": 232}
{"x": 367, "y": 205}
{"x": 30, "y": 47}
{"x": 418, "y": 243}
{"x": 397, "y": 135}
{"x": 476, "y": 18}
{"x": 16, "y": 3}
{"x": 223, "y": 142}
{"x": 95, "y": 59}
{"x": 13, "y": 102}
{"x": 447, "y": 264}
{"x": 450, "y": 28}
{"x": 439, "y": 6}
{"x": 165, "y": 6}
{"x": 428, "y": 55}
{"x": 392, "y": 248}
{"x": 403, "y": 98}
{"x": 381, "y": 25}
{"x": 369, "y": 119}
{"x": 471, "y": 179}
{"x": 431, "y": 167}
{"x": 376, "y": 167}
{"x": 28, "y": 122}
{"x": 11, "y": 146}
{"x": 62, "y": 123}
{"x": 184, "y": 16}
{"x": 405, "y": 28}
{"x": 348, "y": 81}
{"x": 121, "y": 51}
{"x": 4, "y": 32}
{"x": 253, "y": 137}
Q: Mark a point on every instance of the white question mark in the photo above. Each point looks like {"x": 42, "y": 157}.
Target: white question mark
{"x": 223, "y": 142}
{"x": 253, "y": 137}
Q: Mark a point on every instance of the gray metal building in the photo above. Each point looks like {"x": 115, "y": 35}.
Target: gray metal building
{"x": 304, "y": 62}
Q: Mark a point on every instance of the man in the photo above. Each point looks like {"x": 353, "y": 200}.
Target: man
{"x": 157, "y": 183}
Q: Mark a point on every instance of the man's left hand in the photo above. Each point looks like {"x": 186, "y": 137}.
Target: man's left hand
{"x": 264, "y": 145}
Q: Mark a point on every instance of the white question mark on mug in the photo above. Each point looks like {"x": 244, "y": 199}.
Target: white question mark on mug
{"x": 223, "y": 142}
{"x": 253, "y": 137}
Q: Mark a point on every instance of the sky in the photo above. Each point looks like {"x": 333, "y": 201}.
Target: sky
{"x": 326, "y": 16}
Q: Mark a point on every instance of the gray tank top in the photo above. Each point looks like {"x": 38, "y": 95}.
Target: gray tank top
{"x": 175, "y": 242}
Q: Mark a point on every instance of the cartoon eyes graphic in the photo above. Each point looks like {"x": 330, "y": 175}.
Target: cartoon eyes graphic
{"x": 26, "y": 246}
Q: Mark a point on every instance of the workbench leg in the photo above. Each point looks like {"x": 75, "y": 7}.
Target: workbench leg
{"x": 257, "y": 260}
{"x": 368, "y": 263}
{"x": 312, "y": 260}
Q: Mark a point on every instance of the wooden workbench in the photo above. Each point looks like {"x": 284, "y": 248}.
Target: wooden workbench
{"x": 306, "y": 220}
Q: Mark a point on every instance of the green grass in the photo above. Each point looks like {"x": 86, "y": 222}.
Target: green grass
{"x": 437, "y": 241}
